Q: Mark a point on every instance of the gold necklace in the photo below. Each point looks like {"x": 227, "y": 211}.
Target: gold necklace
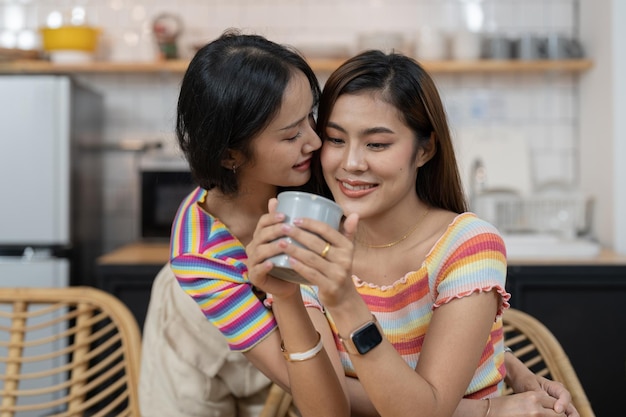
{"x": 407, "y": 234}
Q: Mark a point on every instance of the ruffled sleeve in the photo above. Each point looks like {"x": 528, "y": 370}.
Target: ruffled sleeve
{"x": 472, "y": 258}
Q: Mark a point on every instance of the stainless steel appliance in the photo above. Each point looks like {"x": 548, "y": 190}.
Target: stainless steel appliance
{"x": 50, "y": 197}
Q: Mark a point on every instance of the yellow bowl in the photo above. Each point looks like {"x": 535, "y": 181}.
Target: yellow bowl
{"x": 73, "y": 38}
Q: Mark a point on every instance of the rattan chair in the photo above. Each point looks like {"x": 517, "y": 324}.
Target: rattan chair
{"x": 279, "y": 404}
{"x": 67, "y": 352}
{"x": 541, "y": 352}
{"x": 530, "y": 341}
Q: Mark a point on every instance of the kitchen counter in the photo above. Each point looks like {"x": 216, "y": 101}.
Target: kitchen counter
{"x": 128, "y": 272}
{"x": 140, "y": 253}
{"x": 606, "y": 257}
{"x": 579, "y": 299}
{"x": 144, "y": 253}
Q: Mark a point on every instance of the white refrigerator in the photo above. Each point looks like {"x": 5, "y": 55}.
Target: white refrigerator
{"x": 50, "y": 193}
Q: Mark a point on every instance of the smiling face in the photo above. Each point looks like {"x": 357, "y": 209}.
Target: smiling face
{"x": 369, "y": 157}
{"x": 282, "y": 152}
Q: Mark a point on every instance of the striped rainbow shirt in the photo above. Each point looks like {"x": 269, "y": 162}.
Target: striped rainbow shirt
{"x": 208, "y": 262}
{"x": 468, "y": 258}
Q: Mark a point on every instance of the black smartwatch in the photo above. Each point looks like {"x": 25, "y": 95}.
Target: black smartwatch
{"x": 363, "y": 339}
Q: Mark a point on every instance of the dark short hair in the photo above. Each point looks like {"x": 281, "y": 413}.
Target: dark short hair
{"x": 231, "y": 91}
{"x": 403, "y": 83}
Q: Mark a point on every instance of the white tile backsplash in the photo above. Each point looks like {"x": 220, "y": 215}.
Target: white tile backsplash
{"x": 543, "y": 106}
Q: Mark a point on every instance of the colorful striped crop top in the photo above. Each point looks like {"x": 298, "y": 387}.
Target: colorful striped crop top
{"x": 208, "y": 262}
{"x": 470, "y": 257}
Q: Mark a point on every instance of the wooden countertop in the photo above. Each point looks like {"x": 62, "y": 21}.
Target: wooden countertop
{"x": 145, "y": 253}
{"x": 606, "y": 257}
{"x": 140, "y": 253}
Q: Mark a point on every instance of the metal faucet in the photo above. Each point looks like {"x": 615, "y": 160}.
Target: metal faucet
{"x": 478, "y": 181}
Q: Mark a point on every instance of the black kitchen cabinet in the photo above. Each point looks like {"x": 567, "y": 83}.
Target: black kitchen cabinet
{"x": 128, "y": 273}
{"x": 585, "y": 307}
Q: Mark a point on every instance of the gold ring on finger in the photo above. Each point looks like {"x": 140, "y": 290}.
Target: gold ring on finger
{"x": 325, "y": 250}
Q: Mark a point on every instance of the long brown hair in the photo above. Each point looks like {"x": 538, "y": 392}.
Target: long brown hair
{"x": 404, "y": 84}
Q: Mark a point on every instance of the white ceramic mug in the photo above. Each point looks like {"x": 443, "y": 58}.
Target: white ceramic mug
{"x": 465, "y": 45}
{"x": 298, "y": 204}
{"x": 530, "y": 47}
{"x": 386, "y": 41}
{"x": 499, "y": 47}
{"x": 430, "y": 44}
{"x": 560, "y": 46}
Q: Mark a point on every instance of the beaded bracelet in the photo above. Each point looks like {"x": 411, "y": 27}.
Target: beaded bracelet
{"x": 303, "y": 356}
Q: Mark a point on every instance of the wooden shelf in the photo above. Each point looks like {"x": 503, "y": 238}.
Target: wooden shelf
{"x": 492, "y": 65}
{"x": 482, "y": 65}
{"x": 46, "y": 67}
{"x": 319, "y": 65}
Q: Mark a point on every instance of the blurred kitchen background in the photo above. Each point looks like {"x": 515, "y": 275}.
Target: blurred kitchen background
{"x": 90, "y": 174}
{"x": 518, "y": 133}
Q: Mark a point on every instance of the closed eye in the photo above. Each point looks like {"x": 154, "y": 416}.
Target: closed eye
{"x": 293, "y": 138}
{"x": 306, "y": 123}
{"x": 378, "y": 146}
{"x": 335, "y": 141}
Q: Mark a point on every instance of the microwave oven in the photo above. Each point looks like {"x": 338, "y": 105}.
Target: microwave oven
{"x": 164, "y": 185}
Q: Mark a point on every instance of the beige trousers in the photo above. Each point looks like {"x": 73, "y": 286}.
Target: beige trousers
{"x": 187, "y": 369}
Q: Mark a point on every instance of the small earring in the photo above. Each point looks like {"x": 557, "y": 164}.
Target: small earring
{"x": 234, "y": 169}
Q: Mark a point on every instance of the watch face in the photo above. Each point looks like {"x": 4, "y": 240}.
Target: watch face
{"x": 367, "y": 338}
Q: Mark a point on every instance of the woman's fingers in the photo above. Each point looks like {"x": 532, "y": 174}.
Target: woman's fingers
{"x": 264, "y": 240}
{"x": 571, "y": 411}
{"x": 272, "y": 204}
{"x": 563, "y": 398}
{"x": 530, "y": 403}
{"x": 307, "y": 230}
{"x": 547, "y": 403}
{"x": 320, "y": 252}
{"x": 314, "y": 234}
{"x": 313, "y": 249}
{"x": 350, "y": 225}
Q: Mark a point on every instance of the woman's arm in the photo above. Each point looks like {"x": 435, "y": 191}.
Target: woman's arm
{"x": 448, "y": 360}
{"x": 263, "y": 353}
{"x": 535, "y": 395}
{"x": 307, "y": 374}
{"x": 450, "y": 354}
{"x": 312, "y": 375}
{"x": 536, "y": 402}
{"x": 266, "y": 357}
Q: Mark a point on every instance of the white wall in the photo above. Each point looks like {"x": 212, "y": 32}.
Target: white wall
{"x": 602, "y": 118}
{"x": 542, "y": 107}
{"x": 619, "y": 86}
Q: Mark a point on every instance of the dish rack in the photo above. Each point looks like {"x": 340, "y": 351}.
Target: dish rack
{"x": 510, "y": 213}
